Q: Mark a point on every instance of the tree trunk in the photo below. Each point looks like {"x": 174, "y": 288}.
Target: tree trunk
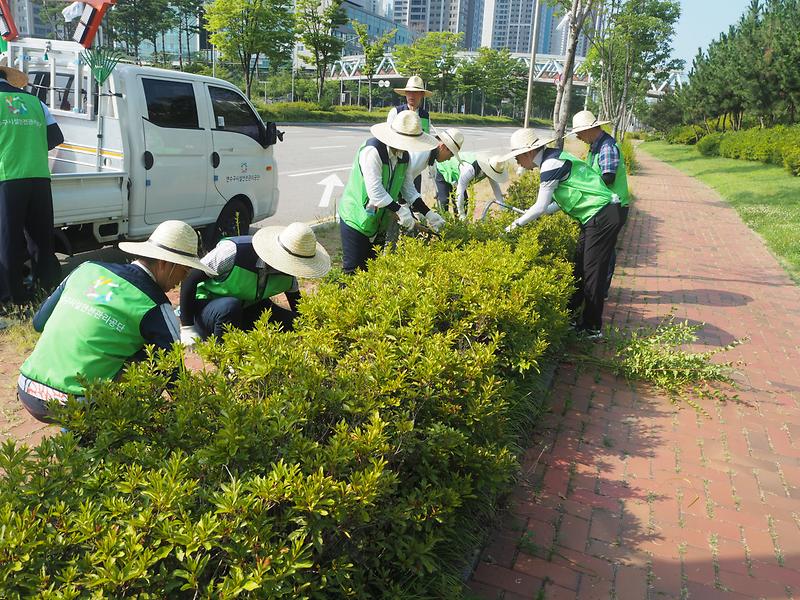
{"x": 369, "y": 92}
{"x": 180, "y": 47}
{"x": 562, "y": 105}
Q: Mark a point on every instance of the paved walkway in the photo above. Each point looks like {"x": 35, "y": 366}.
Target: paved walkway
{"x": 626, "y": 496}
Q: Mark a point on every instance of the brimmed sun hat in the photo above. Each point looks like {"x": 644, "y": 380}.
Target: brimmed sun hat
{"x": 293, "y": 250}
{"x": 453, "y": 139}
{"x": 525, "y": 140}
{"x": 14, "y": 76}
{"x": 585, "y": 120}
{"x": 404, "y": 133}
{"x": 494, "y": 167}
{"x": 414, "y": 84}
{"x": 172, "y": 241}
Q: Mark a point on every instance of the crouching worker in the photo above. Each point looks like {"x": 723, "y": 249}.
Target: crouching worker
{"x": 250, "y": 270}
{"x": 102, "y": 316}
{"x": 473, "y": 168}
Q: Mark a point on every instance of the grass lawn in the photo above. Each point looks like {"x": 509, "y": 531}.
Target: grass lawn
{"x": 766, "y": 197}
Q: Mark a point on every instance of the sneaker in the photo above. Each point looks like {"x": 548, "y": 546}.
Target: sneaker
{"x": 591, "y": 334}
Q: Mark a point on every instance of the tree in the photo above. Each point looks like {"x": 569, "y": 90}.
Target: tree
{"x": 188, "y": 14}
{"x": 577, "y": 13}
{"x": 432, "y": 57}
{"x": 317, "y": 22}
{"x": 635, "y": 44}
{"x": 50, "y": 12}
{"x": 245, "y": 30}
{"x": 373, "y": 52}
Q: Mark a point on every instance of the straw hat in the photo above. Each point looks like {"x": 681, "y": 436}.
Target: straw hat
{"x": 293, "y": 250}
{"x": 453, "y": 139}
{"x": 585, "y": 120}
{"x": 14, "y": 76}
{"x": 404, "y": 133}
{"x": 414, "y": 84}
{"x": 494, "y": 167}
{"x": 525, "y": 140}
{"x": 172, "y": 241}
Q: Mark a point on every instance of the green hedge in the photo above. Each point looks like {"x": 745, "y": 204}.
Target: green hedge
{"x": 684, "y": 134}
{"x": 356, "y": 457}
{"x": 312, "y": 112}
{"x": 777, "y": 145}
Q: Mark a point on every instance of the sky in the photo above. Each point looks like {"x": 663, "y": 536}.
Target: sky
{"x": 701, "y": 22}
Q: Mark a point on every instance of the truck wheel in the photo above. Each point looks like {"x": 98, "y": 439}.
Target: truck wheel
{"x": 233, "y": 220}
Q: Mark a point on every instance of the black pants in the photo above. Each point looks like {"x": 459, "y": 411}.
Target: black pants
{"x": 612, "y": 263}
{"x": 357, "y": 249}
{"x": 26, "y": 227}
{"x": 595, "y": 243}
{"x": 444, "y": 192}
{"x": 214, "y": 315}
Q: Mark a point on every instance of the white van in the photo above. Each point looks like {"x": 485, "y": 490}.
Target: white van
{"x": 153, "y": 145}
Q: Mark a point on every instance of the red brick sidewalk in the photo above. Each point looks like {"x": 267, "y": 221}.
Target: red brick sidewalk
{"x": 626, "y": 496}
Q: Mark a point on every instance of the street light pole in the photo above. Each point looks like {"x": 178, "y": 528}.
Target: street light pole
{"x": 534, "y": 38}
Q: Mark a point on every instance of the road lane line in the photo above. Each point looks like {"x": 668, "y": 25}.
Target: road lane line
{"x": 324, "y": 147}
{"x": 329, "y": 170}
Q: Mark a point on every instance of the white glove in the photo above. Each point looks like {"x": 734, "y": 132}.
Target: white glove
{"x": 405, "y": 218}
{"x": 189, "y": 335}
{"x": 434, "y": 220}
{"x": 512, "y": 227}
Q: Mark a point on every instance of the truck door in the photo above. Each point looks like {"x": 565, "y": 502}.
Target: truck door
{"x": 240, "y": 162}
{"x": 177, "y": 150}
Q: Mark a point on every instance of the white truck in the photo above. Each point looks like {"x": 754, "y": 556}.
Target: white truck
{"x": 150, "y": 145}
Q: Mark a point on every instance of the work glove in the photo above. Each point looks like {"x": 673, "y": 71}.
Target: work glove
{"x": 434, "y": 220}
{"x": 189, "y": 335}
{"x": 405, "y": 218}
{"x": 512, "y": 227}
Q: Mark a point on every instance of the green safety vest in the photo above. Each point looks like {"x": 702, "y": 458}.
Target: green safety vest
{"x": 584, "y": 193}
{"x": 23, "y": 137}
{"x": 353, "y": 205}
{"x": 450, "y": 169}
{"x": 424, "y": 117}
{"x": 94, "y": 329}
{"x": 620, "y": 185}
{"x": 242, "y": 281}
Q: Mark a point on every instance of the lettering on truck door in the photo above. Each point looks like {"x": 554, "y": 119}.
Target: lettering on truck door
{"x": 177, "y": 151}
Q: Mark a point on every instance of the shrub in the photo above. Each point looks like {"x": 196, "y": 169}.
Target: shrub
{"x": 629, "y": 153}
{"x": 683, "y": 134}
{"x": 354, "y": 457}
{"x": 709, "y": 144}
{"x": 777, "y": 145}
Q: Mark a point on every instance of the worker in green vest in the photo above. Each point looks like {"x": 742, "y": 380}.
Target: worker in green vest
{"x": 569, "y": 184}
{"x": 27, "y": 132}
{"x": 379, "y": 175}
{"x": 415, "y": 94}
{"x": 250, "y": 270}
{"x": 450, "y": 141}
{"x": 606, "y": 159}
{"x": 458, "y": 175}
{"x": 103, "y": 315}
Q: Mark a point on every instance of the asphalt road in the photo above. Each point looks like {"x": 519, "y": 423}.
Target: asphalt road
{"x": 313, "y": 158}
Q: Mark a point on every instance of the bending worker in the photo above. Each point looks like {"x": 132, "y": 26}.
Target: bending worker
{"x": 415, "y": 94}
{"x": 27, "y": 132}
{"x": 472, "y": 167}
{"x": 102, "y": 315}
{"x": 250, "y": 270}
{"x": 378, "y": 176}
{"x": 569, "y": 184}
{"x": 606, "y": 159}
{"x": 448, "y": 151}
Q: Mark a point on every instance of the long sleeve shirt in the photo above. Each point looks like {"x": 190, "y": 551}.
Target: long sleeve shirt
{"x": 372, "y": 169}
{"x": 466, "y": 173}
{"x": 553, "y": 171}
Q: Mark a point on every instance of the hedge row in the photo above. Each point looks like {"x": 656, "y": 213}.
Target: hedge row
{"x": 311, "y": 112}
{"x": 355, "y": 457}
{"x": 777, "y": 145}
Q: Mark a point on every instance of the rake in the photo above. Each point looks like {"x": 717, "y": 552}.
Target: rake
{"x": 101, "y": 62}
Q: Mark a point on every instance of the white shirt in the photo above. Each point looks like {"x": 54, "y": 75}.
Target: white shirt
{"x": 372, "y": 170}
{"x": 466, "y": 173}
{"x": 547, "y": 187}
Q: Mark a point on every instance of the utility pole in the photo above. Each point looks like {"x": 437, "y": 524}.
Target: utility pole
{"x": 534, "y": 39}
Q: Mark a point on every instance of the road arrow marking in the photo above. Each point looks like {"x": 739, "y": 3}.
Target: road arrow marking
{"x": 330, "y": 182}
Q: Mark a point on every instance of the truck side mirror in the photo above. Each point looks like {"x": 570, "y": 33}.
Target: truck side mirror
{"x": 270, "y": 135}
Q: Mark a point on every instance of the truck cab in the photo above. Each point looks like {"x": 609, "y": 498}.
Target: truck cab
{"x": 146, "y": 146}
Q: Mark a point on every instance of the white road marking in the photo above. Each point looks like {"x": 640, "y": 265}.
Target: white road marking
{"x": 330, "y": 182}
{"x": 328, "y": 170}
{"x": 324, "y": 147}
